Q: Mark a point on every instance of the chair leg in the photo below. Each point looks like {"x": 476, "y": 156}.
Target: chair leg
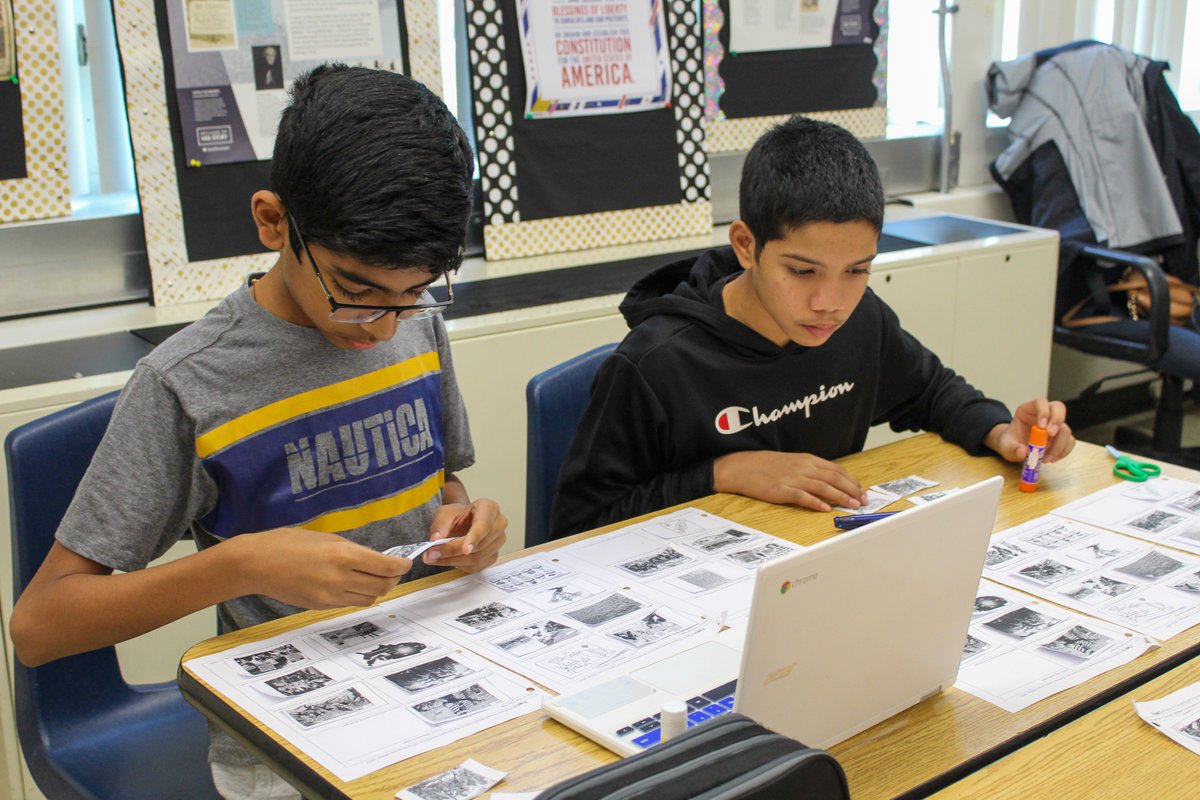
{"x": 1168, "y": 417}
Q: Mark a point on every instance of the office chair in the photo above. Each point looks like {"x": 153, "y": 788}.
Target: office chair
{"x": 1118, "y": 223}
{"x": 85, "y": 732}
{"x": 554, "y": 402}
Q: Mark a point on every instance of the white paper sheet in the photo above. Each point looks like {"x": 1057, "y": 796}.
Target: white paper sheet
{"x": 605, "y": 604}
{"x": 367, "y": 690}
{"x": 1162, "y": 510}
{"x": 1019, "y": 650}
{"x": 469, "y": 779}
{"x": 1126, "y": 581}
{"x": 1177, "y": 716}
{"x": 377, "y": 686}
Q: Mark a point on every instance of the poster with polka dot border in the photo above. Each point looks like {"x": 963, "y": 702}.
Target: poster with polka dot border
{"x": 174, "y": 278}
{"x": 45, "y": 191}
{"x": 505, "y": 234}
{"x": 725, "y": 135}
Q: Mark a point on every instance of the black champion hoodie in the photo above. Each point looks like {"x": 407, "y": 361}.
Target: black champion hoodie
{"x": 690, "y": 383}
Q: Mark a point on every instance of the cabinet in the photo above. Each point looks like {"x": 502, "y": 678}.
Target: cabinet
{"x": 984, "y": 305}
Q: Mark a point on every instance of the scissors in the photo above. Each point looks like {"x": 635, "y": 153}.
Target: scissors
{"x": 1130, "y": 469}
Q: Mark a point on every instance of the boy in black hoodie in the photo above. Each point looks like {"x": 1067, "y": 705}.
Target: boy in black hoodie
{"x": 750, "y": 368}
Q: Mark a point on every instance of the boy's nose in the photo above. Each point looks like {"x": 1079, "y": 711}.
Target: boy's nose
{"x": 383, "y": 328}
{"x": 827, "y": 297}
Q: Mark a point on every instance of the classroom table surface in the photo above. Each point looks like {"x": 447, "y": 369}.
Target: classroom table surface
{"x": 912, "y": 754}
{"x": 1111, "y": 752}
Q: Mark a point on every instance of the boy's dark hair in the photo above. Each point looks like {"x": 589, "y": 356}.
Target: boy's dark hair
{"x": 803, "y": 171}
{"x": 371, "y": 164}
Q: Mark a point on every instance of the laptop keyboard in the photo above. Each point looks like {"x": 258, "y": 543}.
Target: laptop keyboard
{"x": 647, "y": 732}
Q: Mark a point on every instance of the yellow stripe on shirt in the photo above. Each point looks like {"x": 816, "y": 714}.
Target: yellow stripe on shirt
{"x": 397, "y": 504}
{"x": 290, "y": 407}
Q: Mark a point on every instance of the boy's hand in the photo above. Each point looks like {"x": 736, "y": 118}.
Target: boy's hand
{"x": 1011, "y": 441}
{"x": 800, "y": 479}
{"x": 476, "y": 532}
{"x": 315, "y": 570}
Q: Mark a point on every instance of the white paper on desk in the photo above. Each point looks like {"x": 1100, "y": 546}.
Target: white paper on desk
{"x": 469, "y": 779}
{"x": 1126, "y": 581}
{"x": 875, "y": 501}
{"x": 1177, "y": 716}
{"x": 581, "y": 639}
{"x": 635, "y": 594}
{"x": 689, "y": 560}
{"x": 388, "y": 697}
{"x": 1019, "y": 650}
{"x": 1161, "y": 510}
{"x": 929, "y": 497}
{"x": 902, "y": 487}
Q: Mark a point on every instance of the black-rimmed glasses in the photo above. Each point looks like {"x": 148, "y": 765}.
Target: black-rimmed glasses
{"x": 356, "y": 314}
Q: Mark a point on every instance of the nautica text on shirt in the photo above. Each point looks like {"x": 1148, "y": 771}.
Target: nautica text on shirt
{"x": 738, "y": 418}
{"x": 374, "y": 442}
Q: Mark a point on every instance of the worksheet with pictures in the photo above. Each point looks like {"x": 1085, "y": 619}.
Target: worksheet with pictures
{"x": 1177, "y": 716}
{"x": 691, "y": 558}
{"x": 552, "y": 622}
{"x": 366, "y": 690}
{"x": 1020, "y": 650}
{"x": 1161, "y": 510}
{"x": 1150, "y": 589}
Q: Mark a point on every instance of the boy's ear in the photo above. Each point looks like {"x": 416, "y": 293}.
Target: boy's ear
{"x": 270, "y": 217}
{"x": 744, "y": 244}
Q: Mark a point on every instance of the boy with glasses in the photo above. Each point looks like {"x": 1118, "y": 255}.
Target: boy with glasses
{"x": 308, "y": 423}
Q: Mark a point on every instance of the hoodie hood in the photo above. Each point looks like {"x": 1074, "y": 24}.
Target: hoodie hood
{"x": 690, "y": 291}
{"x": 1007, "y": 82}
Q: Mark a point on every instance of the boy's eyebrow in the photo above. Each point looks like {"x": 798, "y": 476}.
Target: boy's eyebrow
{"x": 816, "y": 263}
{"x": 356, "y": 277}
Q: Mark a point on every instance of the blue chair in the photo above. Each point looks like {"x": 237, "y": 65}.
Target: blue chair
{"x": 85, "y": 732}
{"x": 554, "y": 400}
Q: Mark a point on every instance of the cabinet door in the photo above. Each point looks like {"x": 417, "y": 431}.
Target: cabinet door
{"x": 923, "y": 296}
{"x": 492, "y": 373}
{"x": 1004, "y": 319}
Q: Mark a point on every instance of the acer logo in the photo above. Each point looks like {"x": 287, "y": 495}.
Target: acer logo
{"x": 778, "y": 674}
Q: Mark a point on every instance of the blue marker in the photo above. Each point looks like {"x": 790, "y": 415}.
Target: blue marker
{"x": 852, "y": 521}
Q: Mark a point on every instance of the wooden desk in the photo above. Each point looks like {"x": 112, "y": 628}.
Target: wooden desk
{"x": 1110, "y": 752}
{"x": 913, "y": 754}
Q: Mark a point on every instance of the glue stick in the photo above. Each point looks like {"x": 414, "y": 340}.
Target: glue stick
{"x": 1033, "y": 460}
{"x": 674, "y": 719}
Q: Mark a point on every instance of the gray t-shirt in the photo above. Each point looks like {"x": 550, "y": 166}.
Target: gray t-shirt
{"x": 243, "y": 422}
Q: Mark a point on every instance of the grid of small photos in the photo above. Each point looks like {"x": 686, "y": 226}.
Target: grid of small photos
{"x": 1135, "y": 583}
{"x": 419, "y": 671}
{"x": 1163, "y": 510}
{"x": 591, "y": 607}
{"x": 1020, "y": 650}
{"x": 366, "y": 690}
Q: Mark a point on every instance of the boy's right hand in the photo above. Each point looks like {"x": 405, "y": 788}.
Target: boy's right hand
{"x": 799, "y": 479}
{"x": 315, "y": 570}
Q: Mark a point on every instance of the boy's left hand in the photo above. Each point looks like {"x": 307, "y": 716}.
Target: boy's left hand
{"x": 476, "y": 532}
{"x": 1011, "y": 441}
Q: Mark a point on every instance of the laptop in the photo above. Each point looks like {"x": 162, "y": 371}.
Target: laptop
{"x": 840, "y": 636}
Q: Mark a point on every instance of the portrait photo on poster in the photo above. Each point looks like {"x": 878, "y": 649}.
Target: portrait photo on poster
{"x": 268, "y": 67}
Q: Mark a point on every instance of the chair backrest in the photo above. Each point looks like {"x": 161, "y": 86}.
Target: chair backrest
{"x": 555, "y": 400}
{"x": 84, "y": 731}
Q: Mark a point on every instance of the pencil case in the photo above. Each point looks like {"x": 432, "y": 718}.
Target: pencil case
{"x": 731, "y": 757}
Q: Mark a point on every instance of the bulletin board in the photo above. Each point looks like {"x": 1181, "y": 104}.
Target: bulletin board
{"x": 200, "y": 239}
{"x": 748, "y": 93}
{"x": 560, "y": 183}
{"x": 33, "y": 154}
